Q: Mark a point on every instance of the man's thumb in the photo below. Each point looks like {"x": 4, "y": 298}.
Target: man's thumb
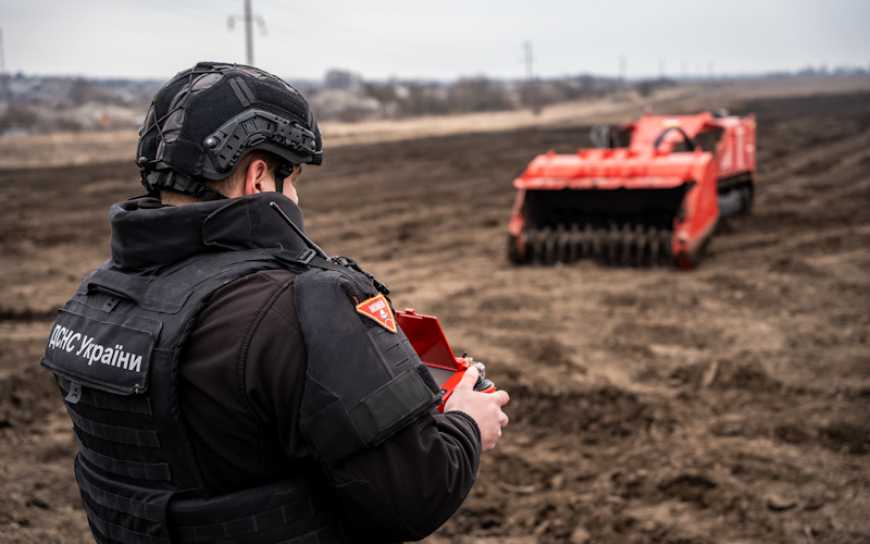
{"x": 469, "y": 378}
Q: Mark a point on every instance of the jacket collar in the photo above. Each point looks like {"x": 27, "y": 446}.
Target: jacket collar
{"x": 147, "y": 233}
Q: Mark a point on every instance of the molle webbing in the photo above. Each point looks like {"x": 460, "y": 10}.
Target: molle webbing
{"x": 118, "y": 533}
{"x": 137, "y": 470}
{"x": 122, "y": 512}
{"x": 281, "y": 516}
{"x": 115, "y": 433}
{"x": 134, "y": 507}
{"x": 253, "y": 515}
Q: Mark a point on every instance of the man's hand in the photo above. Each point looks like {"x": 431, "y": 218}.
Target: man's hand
{"x": 484, "y": 408}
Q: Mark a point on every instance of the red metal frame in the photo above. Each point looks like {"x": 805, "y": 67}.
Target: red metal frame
{"x": 430, "y": 343}
{"x": 735, "y": 151}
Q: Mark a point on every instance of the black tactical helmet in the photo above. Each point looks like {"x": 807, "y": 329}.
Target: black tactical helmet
{"x": 205, "y": 119}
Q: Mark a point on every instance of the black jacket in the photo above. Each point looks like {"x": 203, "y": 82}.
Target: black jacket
{"x": 243, "y": 376}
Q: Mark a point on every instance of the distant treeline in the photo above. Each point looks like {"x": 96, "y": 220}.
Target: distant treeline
{"x": 33, "y": 104}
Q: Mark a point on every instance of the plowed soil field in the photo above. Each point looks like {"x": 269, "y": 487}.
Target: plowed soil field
{"x": 730, "y": 404}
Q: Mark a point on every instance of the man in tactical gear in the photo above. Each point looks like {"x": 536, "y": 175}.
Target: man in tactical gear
{"x": 222, "y": 385}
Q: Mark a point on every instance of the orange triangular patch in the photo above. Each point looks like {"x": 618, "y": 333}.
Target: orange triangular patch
{"x": 378, "y": 310}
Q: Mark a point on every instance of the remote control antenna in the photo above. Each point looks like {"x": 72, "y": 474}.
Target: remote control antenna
{"x": 308, "y": 241}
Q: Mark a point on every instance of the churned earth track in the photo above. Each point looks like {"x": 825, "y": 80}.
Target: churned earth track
{"x": 728, "y": 404}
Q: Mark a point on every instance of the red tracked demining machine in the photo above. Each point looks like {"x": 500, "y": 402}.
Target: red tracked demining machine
{"x": 652, "y": 192}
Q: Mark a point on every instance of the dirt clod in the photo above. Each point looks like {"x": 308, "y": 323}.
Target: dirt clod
{"x": 780, "y": 503}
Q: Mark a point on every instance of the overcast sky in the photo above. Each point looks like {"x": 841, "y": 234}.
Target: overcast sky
{"x": 440, "y": 39}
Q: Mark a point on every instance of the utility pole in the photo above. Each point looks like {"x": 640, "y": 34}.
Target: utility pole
{"x": 531, "y": 90}
{"x": 248, "y": 19}
{"x": 249, "y": 34}
{"x": 4, "y": 80}
{"x": 528, "y": 59}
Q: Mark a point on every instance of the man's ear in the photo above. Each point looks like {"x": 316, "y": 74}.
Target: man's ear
{"x": 255, "y": 175}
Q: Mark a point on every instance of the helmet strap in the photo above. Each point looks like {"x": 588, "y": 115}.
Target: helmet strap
{"x": 284, "y": 170}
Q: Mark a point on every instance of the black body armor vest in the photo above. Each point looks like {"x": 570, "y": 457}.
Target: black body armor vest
{"x": 115, "y": 350}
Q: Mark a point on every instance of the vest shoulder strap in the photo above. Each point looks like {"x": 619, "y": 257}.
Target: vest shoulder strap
{"x": 169, "y": 290}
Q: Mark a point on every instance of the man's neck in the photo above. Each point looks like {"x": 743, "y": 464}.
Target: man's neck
{"x": 177, "y": 199}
